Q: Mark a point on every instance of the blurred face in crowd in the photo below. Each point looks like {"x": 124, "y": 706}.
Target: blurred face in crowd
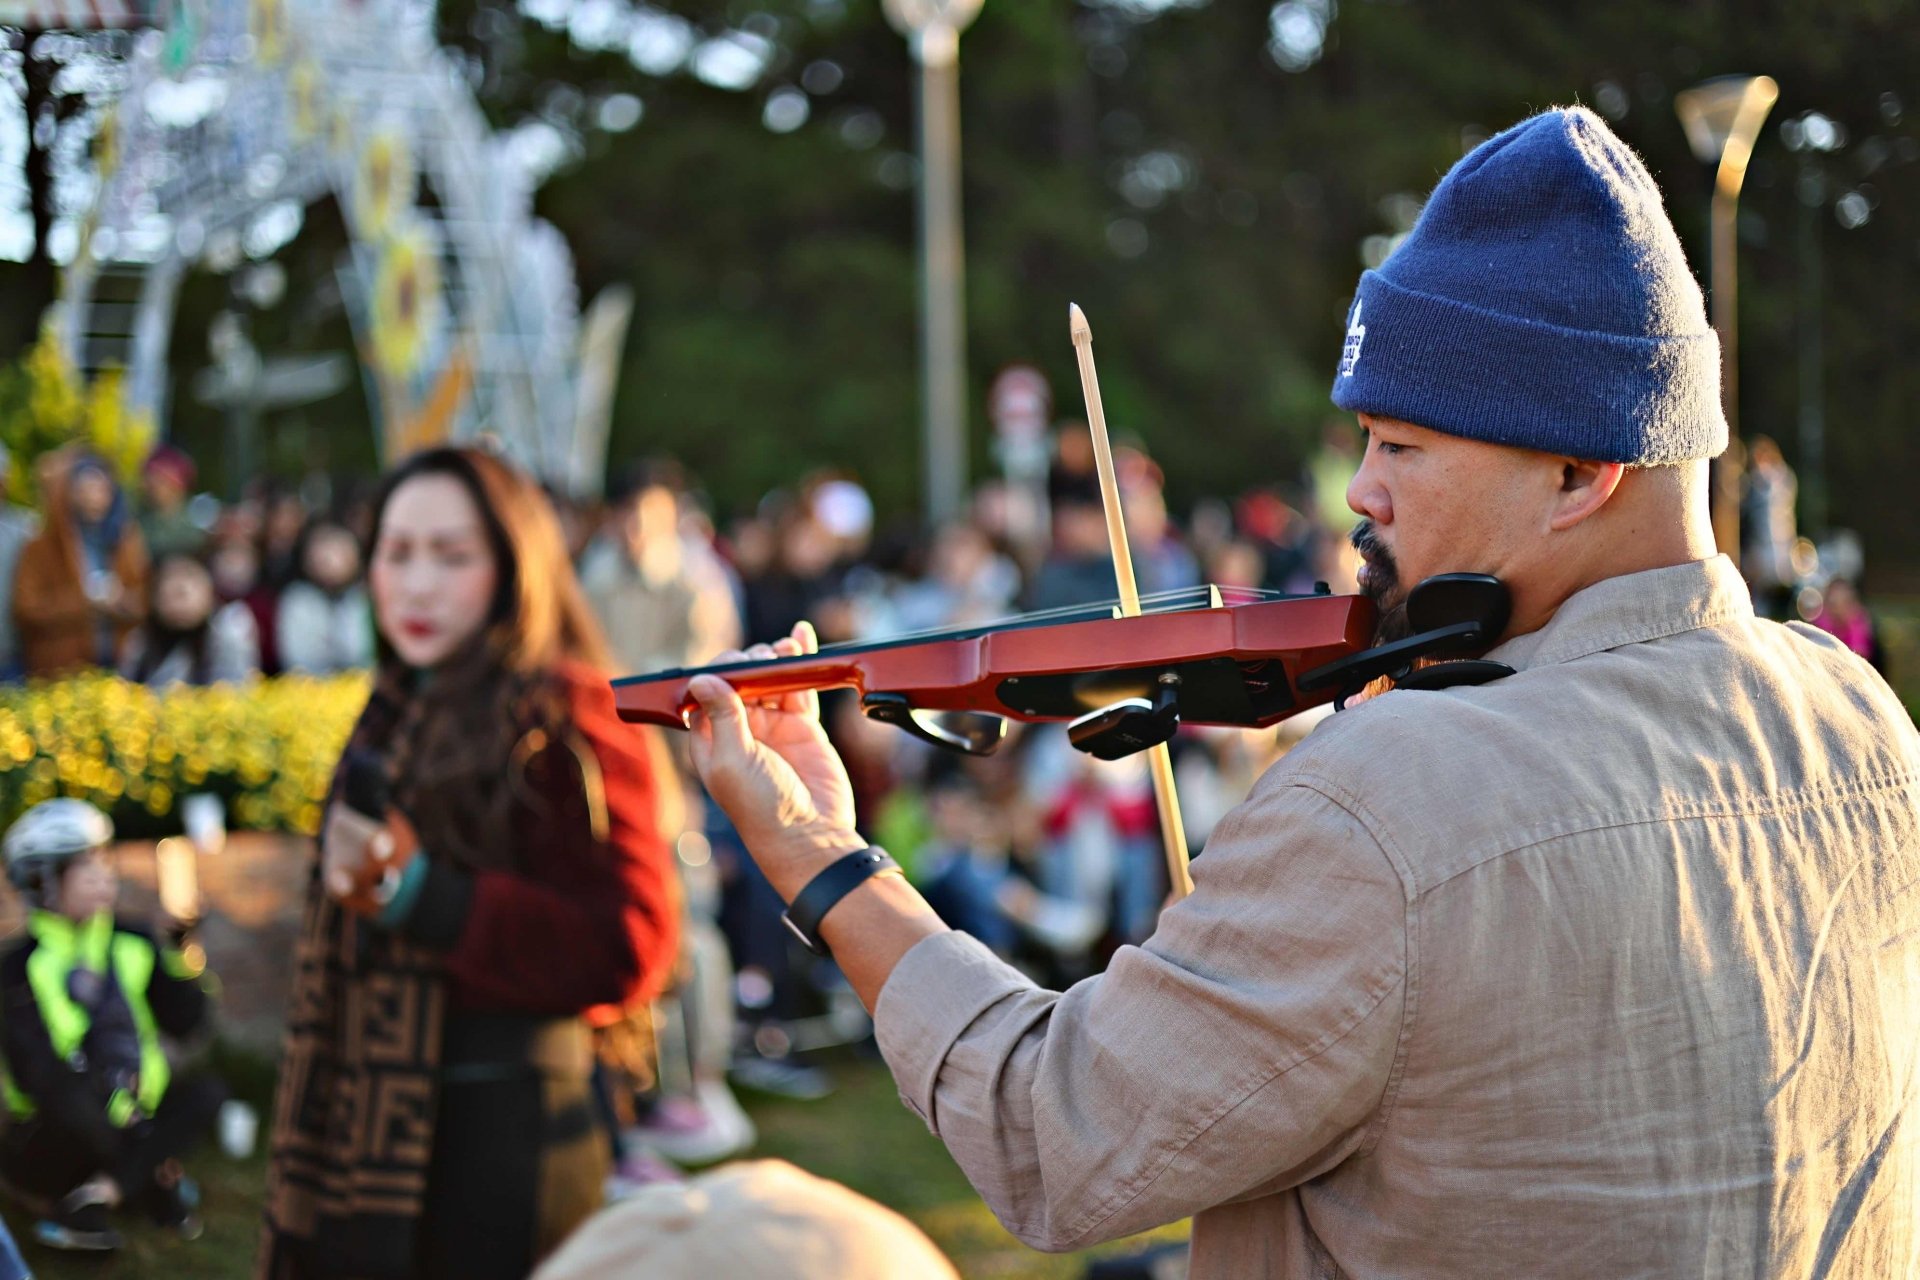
{"x": 959, "y": 554}
{"x": 806, "y": 548}
{"x": 960, "y": 817}
{"x": 333, "y": 558}
{"x": 1237, "y": 564}
{"x": 236, "y": 567}
{"x": 285, "y": 519}
{"x": 753, "y": 547}
{"x": 1080, "y": 529}
{"x": 1842, "y": 601}
{"x": 164, "y": 490}
{"x": 651, "y": 520}
{"x": 434, "y": 573}
{"x": 92, "y": 495}
{"x": 1145, "y": 510}
{"x": 182, "y": 593}
{"x": 88, "y": 886}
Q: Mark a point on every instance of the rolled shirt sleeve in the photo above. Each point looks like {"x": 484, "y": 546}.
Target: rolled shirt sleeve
{"x": 1248, "y": 1046}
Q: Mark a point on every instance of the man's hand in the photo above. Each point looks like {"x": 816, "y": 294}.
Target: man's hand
{"x": 359, "y": 854}
{"x": 772, "y": 769}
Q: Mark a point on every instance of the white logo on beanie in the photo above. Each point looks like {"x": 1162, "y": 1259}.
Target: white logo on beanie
{"x": 1356, "y": 334}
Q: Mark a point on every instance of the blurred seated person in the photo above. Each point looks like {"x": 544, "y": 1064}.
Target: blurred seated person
{"x": 970, "y": 879}
{"x": 283, "y": 517}
{"x": 235, "y": 565}
{"x": 81, "y": 584}
{"x": 967, "y": 584}
{"x": 802, "y": 581}
{"x": 167, "y": 482}
{"x": 1078, "y": 569}
{"x": 17, "y": 528}
{"x": 323, "y": 623}
{"x": 1163, "y": 561}
{"x": 757, "y": 1220}
{"x": 96, "y": 1120}
{"x": 1842, "y": 613}
{"x": 189, "y": 637}
{"x": 1100, "y": 846}
{"x": 662, "y": 601}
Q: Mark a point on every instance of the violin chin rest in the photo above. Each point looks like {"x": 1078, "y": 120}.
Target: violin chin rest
{"x": 972, "y": 733}
{"x": 1448, "y": 675}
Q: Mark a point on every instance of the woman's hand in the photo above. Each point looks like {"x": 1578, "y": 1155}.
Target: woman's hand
{"x": 361, "y": 857}
{"x": 772, "y": 769}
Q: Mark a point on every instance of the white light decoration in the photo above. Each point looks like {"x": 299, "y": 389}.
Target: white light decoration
{"x": 251, "y": 110}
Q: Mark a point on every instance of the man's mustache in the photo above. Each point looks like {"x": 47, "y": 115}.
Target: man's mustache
{"x": 1383, "y": 583}
{"x": 1384, "y": 572}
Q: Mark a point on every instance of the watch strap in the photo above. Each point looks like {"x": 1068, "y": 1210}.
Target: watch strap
{"x": 824, "y": 891}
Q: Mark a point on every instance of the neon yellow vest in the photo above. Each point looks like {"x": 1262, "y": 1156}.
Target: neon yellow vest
{"x": 93, "y": 944}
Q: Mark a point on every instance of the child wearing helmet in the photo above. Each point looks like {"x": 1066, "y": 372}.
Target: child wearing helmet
{"x": 94, "y": 1120}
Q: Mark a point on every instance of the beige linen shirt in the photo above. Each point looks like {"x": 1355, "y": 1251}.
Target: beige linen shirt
{"x": 1609, "y": 968}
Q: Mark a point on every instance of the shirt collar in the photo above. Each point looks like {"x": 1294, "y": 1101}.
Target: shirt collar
{"x": 1632, "y": 608}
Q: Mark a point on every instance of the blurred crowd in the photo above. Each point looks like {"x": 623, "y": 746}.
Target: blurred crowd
{"x": 1051, "y": 857}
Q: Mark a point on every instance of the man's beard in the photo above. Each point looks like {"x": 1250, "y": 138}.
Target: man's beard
{"x": 1382, "y": 584}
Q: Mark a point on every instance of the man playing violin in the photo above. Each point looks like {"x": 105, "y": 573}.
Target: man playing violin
{"x": 1609, "y": 967}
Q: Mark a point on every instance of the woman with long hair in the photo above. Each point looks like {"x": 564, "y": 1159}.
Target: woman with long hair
{"x": 189, "y": 636}
{"x": 492, "y": 871}
{"x": 321, "y": 621}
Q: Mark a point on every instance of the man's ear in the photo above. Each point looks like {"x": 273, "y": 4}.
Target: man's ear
{"x": 1585, "y": 487}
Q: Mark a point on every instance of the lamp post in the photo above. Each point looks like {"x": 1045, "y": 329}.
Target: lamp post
{"x": 1808, "y": 136}
{"x": 1722, "y": 119}
{"x": 933, "y": 28}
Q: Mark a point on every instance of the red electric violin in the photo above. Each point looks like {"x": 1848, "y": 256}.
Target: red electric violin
{"x": 1215, "y": 656}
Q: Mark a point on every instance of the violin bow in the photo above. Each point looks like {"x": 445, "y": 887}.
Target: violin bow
{"x": 1159, "y": 759}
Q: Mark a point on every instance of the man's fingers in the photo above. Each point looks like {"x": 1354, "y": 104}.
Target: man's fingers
{"x": 726, "y": 717}
{"x": 802, "y": 640}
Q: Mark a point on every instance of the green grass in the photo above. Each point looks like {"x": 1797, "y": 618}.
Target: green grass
{"x": 861, "y": 1136}
{"x": 231, "y": 1209}
{"x": 1899, "y": 621}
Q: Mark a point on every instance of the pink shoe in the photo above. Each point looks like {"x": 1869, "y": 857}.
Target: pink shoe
{"x": 702, "y": 1129}
{"x": 640, "y": 1169}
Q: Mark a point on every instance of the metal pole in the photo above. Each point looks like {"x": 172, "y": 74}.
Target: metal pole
{"x": 1729, "y": 468}
{"x": 942, "y": 271}
{"x": 1722, "y": 117}
{"x": 1813, "y": 418}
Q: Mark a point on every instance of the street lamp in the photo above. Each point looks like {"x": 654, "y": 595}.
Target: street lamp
{"x": 1808, "y": 136}
{"x": 933, "y": 28}
{"x": 1722, "y": 119}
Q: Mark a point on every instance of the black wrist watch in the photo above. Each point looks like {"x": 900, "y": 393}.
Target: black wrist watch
{"x": 824, "y": 891}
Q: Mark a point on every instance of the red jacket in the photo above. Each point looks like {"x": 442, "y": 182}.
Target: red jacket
{"x": 591, "y": 916}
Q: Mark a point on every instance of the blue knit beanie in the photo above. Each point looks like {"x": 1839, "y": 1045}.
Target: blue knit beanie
{"x": 1541, "y": 300}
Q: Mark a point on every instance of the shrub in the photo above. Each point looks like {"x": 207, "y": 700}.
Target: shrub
{"x": 268, "y": 747}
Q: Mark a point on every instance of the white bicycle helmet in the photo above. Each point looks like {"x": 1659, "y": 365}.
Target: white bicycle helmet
{"x": 39, "y": 845}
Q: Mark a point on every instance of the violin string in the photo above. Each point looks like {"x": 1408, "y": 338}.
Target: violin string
{"x": 1170, "y": 601}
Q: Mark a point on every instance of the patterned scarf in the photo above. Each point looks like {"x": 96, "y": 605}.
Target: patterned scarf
{"x": 353, "y": 1115}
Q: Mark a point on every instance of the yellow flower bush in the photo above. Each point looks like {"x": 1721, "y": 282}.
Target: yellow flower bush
{"x": 44, "y": 405}
{"x": 269, "y": 747}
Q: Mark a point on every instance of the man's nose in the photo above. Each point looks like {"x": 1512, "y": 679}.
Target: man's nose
{"x": 1366, "y": 496}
